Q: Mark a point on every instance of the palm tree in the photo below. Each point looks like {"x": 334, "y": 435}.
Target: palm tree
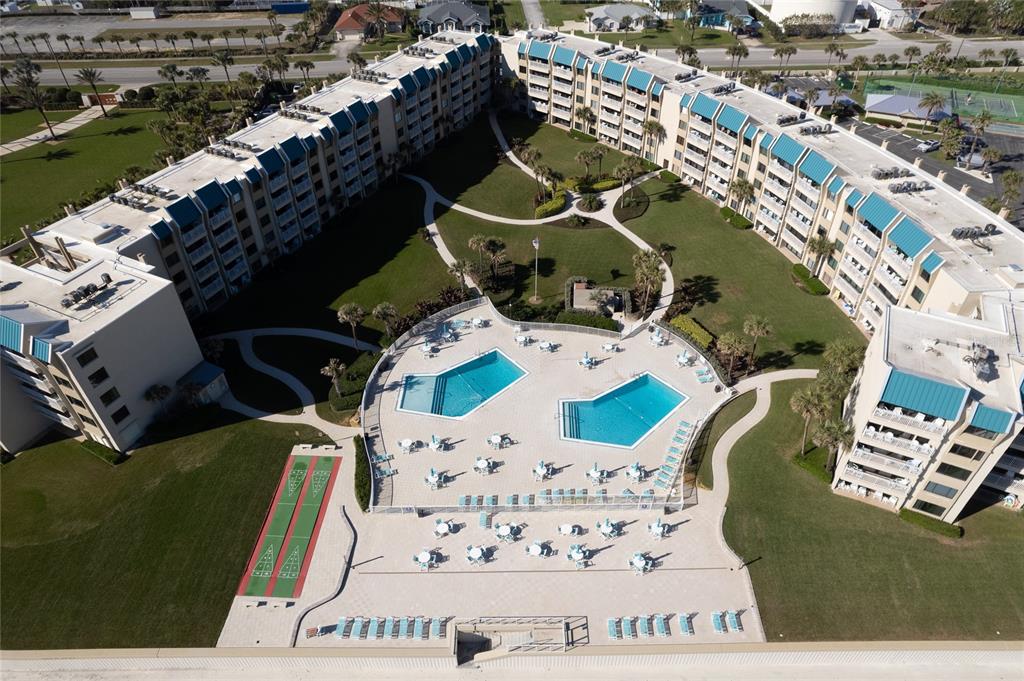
{"x": 833, "y": 435}
{"x": 352, "y": 314}
{"x": 64, "y": 38}
{"x": 385, "y": 313}
{"x": 98, "y": 40}
{"x": 247, "y": 80}
{"x": 190, "y": 36}
{"x": 81, "y": 42}
{"x": 335, "y": 370}
{"x": 272, "y": 18}
{"x": 172, "y": 73}
{"x": 859, "y": 63}
{"x": 654, "y": 131}
{"x": 879, "y": 59}
{"x": 13, "y": 35}
{"x": 1009, "y": 54}
{"x": 597, "y": 151}
{"x": 45, "y": 37}
{"x": 808, "y": 404}
{"x": 223, "y": 59}
{"x": 478, "y": 243}
{"x": 930, "y": 102}
{"x": 686, "y": 52}
{"x": 357, "y": 60}
{"x": 756, "y": 327}
{"x": 377, "y": 13}
{"x": 172, "y": 38}
{"x": 979, "y": 124}
{"x": 821, "y": 247}
{"x": 208, "y": 39}
{"x": 495, "y": 248}
{"x": 730, "y": 345}
{"x": 31, "y": 38}
{"x": 90, "y": 77}
{"x": 585, "y": 159}
{"x": 278, "y": 31}
{"x": 586, "y": 116}
{"x": 459, "y": 269}
{"x": 154, "y": 36}
{"x": 27, "y": 81}
{"x": 198, "y": 74}
{"x": 648, "y": 274}
{"x": 304, "y": 67}
{"x": 262, "y": 38}
{"x": 137, "y": 42}
{"x": 986, "y": 54}
{"x": 910, "y": 52}
{"x": 5, "y": 73}
{"x": 226, "y": 35}
{"x": 241, "y": 32}
{"x": 742, "y": 190}
{"x": 990, "y": 155}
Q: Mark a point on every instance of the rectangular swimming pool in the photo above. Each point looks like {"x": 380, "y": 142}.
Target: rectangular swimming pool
{"x": 622, "y": 416}
{"x": 460, "y": 389}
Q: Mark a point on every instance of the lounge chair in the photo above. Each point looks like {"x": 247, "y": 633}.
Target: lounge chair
{"x": 613, "y": 629}
{"x": 666, "y": 468}
{"x": 485, "y": 520}
{"x": 685, "y": 423}
{"x": 661, "y": 625}
{"x": 463, "y": 501}
{"x": 734, "y": 620}
{"x": 645, "y": 626}
{"x": 671, "y": 459}
{"x": 661, "y": 484}
{"x": 403, "y": 628}
{"x": 417, "y": 629}
{"x": 435, "y": 627}
{"x": 511, "y": 499}
{"x": 357, "y": 628}
{"x": 373, "y": 629}
{"x": 389, "y": 627}
{"x": 527, "y": 500}
{"x": 685, "y": 624}
{"x": 716, "y": 621}
{"x": 674, "y": 450}
{"x": 627, "y": 628}
{"x": 342, "y": 626}
{"x": 491, "y": 500}
{"x": 680, "y": 441}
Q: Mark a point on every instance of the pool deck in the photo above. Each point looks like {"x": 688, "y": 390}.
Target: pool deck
{"x": 528, "y": 413}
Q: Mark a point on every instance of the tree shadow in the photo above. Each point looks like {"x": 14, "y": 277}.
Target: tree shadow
{"x": 123, "y": 131}
{"x": 546, "y": 267}
{"x": 673, "y": 193}
{"x": 699, "y": 290}
{"x": 53, "y": 155}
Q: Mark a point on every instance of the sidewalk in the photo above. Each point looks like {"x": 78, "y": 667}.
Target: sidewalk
{"x": 77, "y": 121}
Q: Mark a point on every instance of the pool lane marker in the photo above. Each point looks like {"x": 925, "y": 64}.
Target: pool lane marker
{"x": 316, "y": 528}
{"x": 286, "y": 539}
{"x": 256, "y": 557}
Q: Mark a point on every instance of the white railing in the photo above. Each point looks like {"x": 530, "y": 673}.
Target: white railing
{"x": 200, "y": 253}
{"x": 881, "y": 460}
{"x": 212, "y": 289}
{"x": 278, "y": 182}
{"x": 890, "y": 440}
{"x": 913, "y": 421}
{"x": 867, "y": 476}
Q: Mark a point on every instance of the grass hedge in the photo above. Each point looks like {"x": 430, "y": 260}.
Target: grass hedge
{"x": 694, "y": 330}
{"x": 726, "y": 212}
{"x": 740, "y": 222}
{"x": 606, "y": 185}
{"x": 104, "y": 453}
{"x": 582, "y": 137}
{"x": 552, "y": 207}
{"x": 353, "y": 384}
{"x": 668, "y": 177}
{"x": 363, "y": 476}
{"x": 931, "y": 524}
{"x": 807, "y": 282}
{"x": 591, "y": 319}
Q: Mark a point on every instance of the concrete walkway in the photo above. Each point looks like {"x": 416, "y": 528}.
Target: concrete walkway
{"x": 533, "y": 13}
{"x": 76, "y": 121}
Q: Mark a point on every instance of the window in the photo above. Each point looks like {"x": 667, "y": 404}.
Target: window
{"x": 981, "y": 432}
{"x": 179, "y": 277}
{"x": 63, "y": 382}
{"x": 75, "y": 401}
{"x": 967, "y": 452}
{"x": 844, "y": 228}
{"x": 925, "y": 276}
{"x": 941, "y": 490}
{"x": 86, "y": 419}
{"x": 832, "y": 262}
{"x": 838, "y": 245}
{"x": 86, "y": 357}
{"x": 917, "y": 294}
{"x": 745, "y": 158}
{"x": 99, "y": 376}
{"x": 172, "y": 259}
{"x": 120, "y": 415}
{"x": 760, "y": 167}
{"x": 932, "y": 509}
{"x": 109, "y": 396}
{"x": 954, "y": 471}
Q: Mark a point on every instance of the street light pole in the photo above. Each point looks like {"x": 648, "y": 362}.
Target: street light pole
{"x": 536, "y": 270}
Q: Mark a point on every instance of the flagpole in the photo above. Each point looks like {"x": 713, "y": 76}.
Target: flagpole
{"x": 536, "y": 271}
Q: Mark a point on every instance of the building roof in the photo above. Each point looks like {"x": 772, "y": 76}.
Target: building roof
{"x": 902, "y": 105}
{"x": 463, "y": 12}
{"x": 909, "y": 238}
{"x": 926, "y": 395}
{"x": 357, "y": 17}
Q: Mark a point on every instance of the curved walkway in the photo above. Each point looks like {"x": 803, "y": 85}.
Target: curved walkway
{"x": 76, "y": 121}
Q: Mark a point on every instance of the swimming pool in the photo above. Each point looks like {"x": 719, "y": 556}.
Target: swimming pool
{"x": 460, "y": 389}
{"x": 624, "y": 415}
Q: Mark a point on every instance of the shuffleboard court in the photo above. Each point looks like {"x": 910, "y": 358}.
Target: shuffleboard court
{"x": 301, "y": 539}
{"x": 262, "y": 564}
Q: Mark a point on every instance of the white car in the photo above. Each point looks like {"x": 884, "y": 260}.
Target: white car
{"x": 927, "y": 146}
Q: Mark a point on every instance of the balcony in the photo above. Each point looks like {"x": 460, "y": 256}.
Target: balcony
{"x": 851, "y": 294}
{"x": 608, "y": 88}
{"x": 701, "y": 141}
{"x": 806, "y": 208}
{"x": 286, "y": 215}
{"x": 900, "y": 264}
{"x": 794, "y": 241}
{"x": 224, "y": 237}
{"x": 60, "y": 418}
{"x": 220, "y": 216}
{"x": 899, "y": 484}
{"x": 863, "y": 246}
{"x": 232, "y": 253}
{"x": 723, "y": 185}
{"x": 697, "y": 124}
{"x": 1005, "y": 482}
{"x": 890, "y": 463}
{"x": 779, "y": 189}
{"x": 696, "y": 158}
{"x": 639, "y": 98}
{"x": 937, "y": 426}
{"x": 289, "y": 231}
{"x": 311, "y": 218}
{"x": 902, "y": 443}
{"x": 782, "y": 171}
{"x": 889, "y": 298}
{"x": 725, "y": 153}
{"x": 856, "y": 272}
{"x": 539, "y": 105}
{"x": 278, "y": 181}
{"x": 562, "y": 87}
{"x": 200, "y": 253}
{"x": 281, "y": 201}
{"x": 239, "y": 269}
{"x": 539, "y": 81}
{"x": 206, "y": 271}
{"x": 801, "y": 226}
{"x": 348, "y": 158}
{"x": 192, "y": 235}
{"x": 212, "y": 289}
{"x": 302, "y": 186}
{"x": 867, "y": 235}
{"x": 770, "y": 218}
{"x": 307, "y": 203}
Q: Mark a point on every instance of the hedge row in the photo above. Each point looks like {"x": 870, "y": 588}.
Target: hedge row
{"x": 582, "y": 136}
{"x": 590, "y": 319}
{"x": 104, "y": 453}
{"x": 740, "y": 222}
{"x": 363, "y": 475}
{"x": 554, "y": 206}
{"x": 668, "y": 177}
{"x": 700, "y": 336}
{"x": 606, "y": 185}
{"x": 811, "y": 284}
{"x": 937, "y": 526}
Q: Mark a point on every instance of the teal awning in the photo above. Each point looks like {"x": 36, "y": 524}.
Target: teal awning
{"x": 925, "y": 395}
{"x": 994, "y": 420}
{"x": 539, "y": 50}
{"x": 563, "y": 56}
{"x": 854, "y": 198}
{"x": 835, "y": 185}
{"x": 932, "y": 262}
{"x": 909, "y": 238}
{"x": 614, "y": 71}
{"x": 767, "y": 140}
{"x": 815, "y": 168}
{"x": 184, "y": 211}
{"x": 704, "y": 106}
{"x": 787, "y": 149}
{"x": 751, "y": 132}
{"x": 211, "y": 195}
{"x": 292, "y": 148}
{"x": 731, "y": 118}
{"x": 639, "y": 79}
{"x": 877, "y": 211}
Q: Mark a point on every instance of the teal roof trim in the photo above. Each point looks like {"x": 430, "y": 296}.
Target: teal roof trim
{"x": 292, "y": 148}
{"x": 595, "y": 69}
{"x": 408, "y": 84}
{"x": 932, "y": 262}
{"x": 564, "y": 56}
{"x": 685, "y": 101}
{"x": 253, "y": 176}
{"x": 341, "y": 121}
{"x": 658, "y": 87}
{"x": 270, "y": 160}
{"x": 835, "y": 185}
{"x": 211, "y": 195}
{"x": 909, "y": 238}
{"x": 788, "y": 149}
{"x": 751, "y": 132}
{"x": 854, "y": 198}
{"x": 327, "y": 133}
{"x": 877, "y": 211}
{"x": 816, "y": 168}
{"x": 581, "y": 63}
{"x": 422, "y": 76}
{"x": 639, "y": 79}
{"x": 465, "y": 53}
{"x": 41, "y": 350}
{"x": 731, "y": 118}
{"x": 767, "y": 140}
{"x": 522, "y": 47}
{"x": 994, "y": 420}
{"x": 11, "y": 333}
{"x": 613, "y": 70}
{"x": 359, "y": 111}
{"x": 485, "y": 41}
{"x": 184, "y": 211}
{"x": 925, "y": 395}
{"x": 704, "y": 106}
{"x": 161, "y": 230}
{"x": 455, "y": 60}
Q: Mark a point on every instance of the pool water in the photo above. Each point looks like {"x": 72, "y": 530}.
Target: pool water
{"x": 623, "y": 415}
{"x": 461, "y": 389}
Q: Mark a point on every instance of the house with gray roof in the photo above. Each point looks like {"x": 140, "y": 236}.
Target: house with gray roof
{"x": 620, "y": 17}
{"x": 453, "y": 16}
{"x": 902, "y": 107}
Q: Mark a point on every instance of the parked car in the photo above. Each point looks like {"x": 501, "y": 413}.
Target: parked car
{"x": 967, "y": 140}
{"x": 927, "y": 145}
{"x": 970, "y": 161}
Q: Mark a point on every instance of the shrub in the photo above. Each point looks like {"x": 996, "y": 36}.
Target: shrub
{"x": 740, "y": 222}
{"x": 808, "y": 283}
{"x": 668, "y": 177}
{"x": 591, "y": 203}
{"x": 726, "y": 212}
{"x": 583, "y": 318}
{"x": 692, "y": 329}
{"x": 363, "y": 475}
{"x": 574, "y": 184}
{"x": 72, "y": 97}
{"x": 931, "y": 524}
{"x": 582, "y": 137}
{"x": 146, "y": 93}
{"x": 554, "y": 206}
{"x": 130, "y": 95}
{"x": 104, "y": 453}
{"x": 632, "y": 205}
{"x": 606, "y": 185}
{"x": 576, "y": 220}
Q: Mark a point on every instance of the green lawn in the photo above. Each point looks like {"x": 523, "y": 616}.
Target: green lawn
{"x": 468, "y": 168}
{"x": 255, "y": 388}
{"x": 829, "y": 568}
{"x": 514, "y": 14}
{"x": 183, "y": 43}
{"x": 557, "y": 13}
{"x": 558, "y": 150}
{"x": 145, "y": 554}
{"x": 392, "y": 43}
{"x": 599, "y": 253}
{"x": 20, "y": 124}
{"x": 370, "y": 253}
{"x": 732, "y": 273}
{"x": 38, "y": 180}
{"x": 673, "y": 34}
{"x": 712, "y": 432}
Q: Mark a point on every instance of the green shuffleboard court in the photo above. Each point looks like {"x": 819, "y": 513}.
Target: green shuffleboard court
{"x": 303, "y": 528}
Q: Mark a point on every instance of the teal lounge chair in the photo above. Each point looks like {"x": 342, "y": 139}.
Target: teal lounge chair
{"x": 417, "y": 629}
{"x": 403, "y": 628}
{"x": 389, "y": 627}
{"x": 613, "y": 629}
{"x": 435, "y": 627}
{"x": 645, "y": 626}
{"x": 342, "y": 626}
{"x": 373, "y": 629}
{"x": 734, "y": 620}
{"x": 660, "y": 625}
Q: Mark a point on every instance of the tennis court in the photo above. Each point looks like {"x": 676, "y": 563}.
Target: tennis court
{"x": 963, "y": 101}
{"x": 280, "y": 560}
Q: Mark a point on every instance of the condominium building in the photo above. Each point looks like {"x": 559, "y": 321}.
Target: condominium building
{"x": 185, "y": 239}
{"x": 901, "y": 238}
